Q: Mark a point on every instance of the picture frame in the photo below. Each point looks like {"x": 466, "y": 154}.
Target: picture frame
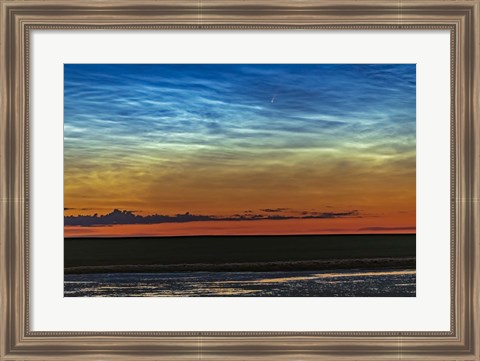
{"x": 19, "y": 18}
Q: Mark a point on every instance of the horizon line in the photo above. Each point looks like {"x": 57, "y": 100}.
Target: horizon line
{"x": 251, "y": 235}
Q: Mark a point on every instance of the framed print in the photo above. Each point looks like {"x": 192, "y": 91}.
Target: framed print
{"x": 253, "y": 180}
{"x": 199, "y": 120}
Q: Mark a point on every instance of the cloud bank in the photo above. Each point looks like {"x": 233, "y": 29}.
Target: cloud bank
{"x": 118, "y": 216}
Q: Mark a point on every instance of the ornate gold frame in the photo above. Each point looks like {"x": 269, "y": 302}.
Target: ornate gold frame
{"x": 19, "y": 17}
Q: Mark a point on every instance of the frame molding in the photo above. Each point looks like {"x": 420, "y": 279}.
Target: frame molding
{"x": 19, "y": 17}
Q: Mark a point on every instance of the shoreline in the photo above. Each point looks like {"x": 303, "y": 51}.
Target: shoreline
{"x": 316, "y": 265}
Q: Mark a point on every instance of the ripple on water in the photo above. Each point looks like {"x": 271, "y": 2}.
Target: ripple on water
{"x": 345, "y": 283}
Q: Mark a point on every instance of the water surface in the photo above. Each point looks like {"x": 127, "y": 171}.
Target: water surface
{"x": 341, "y": 283}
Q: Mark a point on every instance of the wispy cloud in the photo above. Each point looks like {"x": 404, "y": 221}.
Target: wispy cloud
{"x": 77, "y": 209}
{"x": 209, "y": 107}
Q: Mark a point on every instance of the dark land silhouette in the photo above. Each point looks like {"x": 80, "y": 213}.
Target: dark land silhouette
{"x": 239, "y": 253}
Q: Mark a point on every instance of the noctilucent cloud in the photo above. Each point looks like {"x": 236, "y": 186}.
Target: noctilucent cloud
{"x": 239, "y": 148}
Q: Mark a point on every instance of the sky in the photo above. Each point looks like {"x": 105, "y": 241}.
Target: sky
{"x": 200, "y": 149}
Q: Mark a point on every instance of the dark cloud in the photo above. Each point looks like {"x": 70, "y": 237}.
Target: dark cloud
{"x": 310, "y": 214}
{"x": 118, "y": 216}
{"x": 273, "y": 210}
{"x": 353, "y": 213}
{"x": 128, "y": 217}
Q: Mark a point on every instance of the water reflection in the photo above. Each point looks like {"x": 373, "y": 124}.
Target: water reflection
{"x": 345, "y": 283}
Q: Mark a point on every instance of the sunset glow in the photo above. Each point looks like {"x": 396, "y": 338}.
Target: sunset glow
{"x": 239, "y": 149}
